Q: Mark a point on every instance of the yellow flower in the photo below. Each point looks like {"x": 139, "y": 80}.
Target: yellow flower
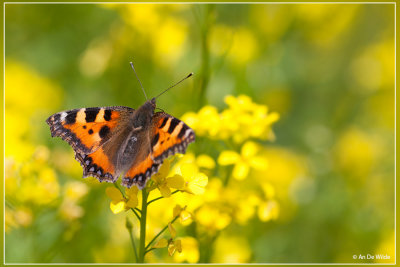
{"x": 174, "y": 245}
{"x": 205, "y": 161}
{"x": 75, "y": 190}
{"x": 184, "y": 215}
{"x": 169, "y": 39}
{"x": 131, "y": 194}
{"x": 244, "y": 47}
{"x": 190, "y": 250}
{"x": 205, "y": 122}
{"x": 118, "y": 202}
{"x": 243, "y": 161}
{"x": 195, "y": 182}
{"x": 172, "y": 230}
{"x": 212, "y": 218}
{"x": 280, "y": 16}
{"x": 245, "y": 208}
{"x": 22, "y": 114}
{"x": 142, "y": 17}
{"x": 38, "y": 185}
{"x": 164, "y": 183}
{"x": 244, "y": 119}
{"x": 356, "y": 152}
{"x": 70, "y": 211}
{"x": 239, "y": 44}
{"x": 177, "y": 210}
{"x": 240, "y": 103}
{"x": 268, "y": 189}
{"x": 191, "y": 119}
{"x": 268, "y": 210}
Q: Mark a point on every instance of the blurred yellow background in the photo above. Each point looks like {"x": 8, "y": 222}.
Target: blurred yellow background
{"x": 292, "y": 105}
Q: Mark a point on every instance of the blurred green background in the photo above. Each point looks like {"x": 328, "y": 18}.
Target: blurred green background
{"x": 327, "y": 69}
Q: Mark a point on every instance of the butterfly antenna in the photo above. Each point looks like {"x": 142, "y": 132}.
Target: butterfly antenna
{"x": 190, "y": 74}
{"x": 137, "y": 77}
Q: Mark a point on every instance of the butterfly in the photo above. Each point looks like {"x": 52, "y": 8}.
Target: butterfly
{"x": 110, "y": 141}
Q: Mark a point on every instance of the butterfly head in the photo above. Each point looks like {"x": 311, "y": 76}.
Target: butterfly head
{"x": 149, "y": 106}
{"x": 143, "y": 115}
{"x": 153, "y": 102}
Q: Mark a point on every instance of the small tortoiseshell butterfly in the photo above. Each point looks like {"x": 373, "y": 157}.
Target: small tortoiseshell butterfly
{"x": 109, "y": 141}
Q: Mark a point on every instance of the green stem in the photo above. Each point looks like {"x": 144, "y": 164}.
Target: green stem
{"x": 205, "y": 19}
{"x": 138, "y": 210}
{"x": 137, "y": 215}
{"x": 151, "y": 201}
{"x": 229, "y": 170}
{"x": 133, "y": 244}
{"x": 149, "y": 250}
{"x": 162, "y": 231}
{"x": 142, "y": 241}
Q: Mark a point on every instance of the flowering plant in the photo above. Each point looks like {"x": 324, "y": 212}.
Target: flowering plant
{"x": 239, "y": 128}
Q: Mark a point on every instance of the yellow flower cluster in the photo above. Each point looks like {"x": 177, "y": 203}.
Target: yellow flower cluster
{"x": 230, "y": 42}
{"x": 228, "y": 201}
{"x": 166, "y": 35}
{"x": 31, "y": 182}
{"x": 218, "y": 206}
{"x": 242, "y": 162}
{"x": 217, "y": 203}
{"x": 27, "y": 185}
{"x": 185, "y": 179}
{"x": 243, "y": 119}
{"x": 73, "y": 193}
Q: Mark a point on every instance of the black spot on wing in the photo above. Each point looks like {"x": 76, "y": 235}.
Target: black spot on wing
{"x": 163, "y": 122}
{"x": 172, "y": 125}
{"x": 107, "y": 114}
{"x": 71, "y": 117}
{"x": 56, "y": 117}
{"x": 183, "y": 131}
{"x": 155, "y": 140}
{"x": 90, "y": 131}
{"x": 91, "y": 114}
{"x": 104, "y": 131}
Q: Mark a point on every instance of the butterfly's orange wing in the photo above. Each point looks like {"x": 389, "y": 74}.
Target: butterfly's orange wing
{"x": 168, "y": 136}
{"x": 87, "y": 130}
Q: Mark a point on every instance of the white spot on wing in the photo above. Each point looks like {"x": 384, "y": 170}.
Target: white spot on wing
{"x": 63, "y": 115}
{"x": 188, "y": 131}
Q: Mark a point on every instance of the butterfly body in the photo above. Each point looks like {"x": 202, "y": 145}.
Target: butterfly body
{"x": 110, "y": 141}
